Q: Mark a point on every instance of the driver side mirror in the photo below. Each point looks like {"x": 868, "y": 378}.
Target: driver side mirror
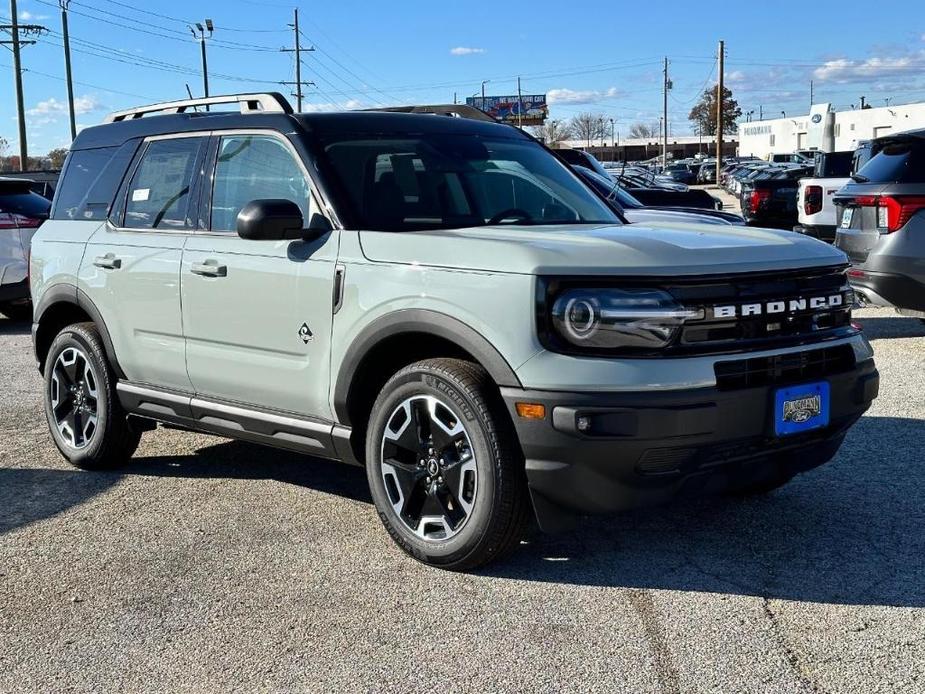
{"x": 270, "y": 220}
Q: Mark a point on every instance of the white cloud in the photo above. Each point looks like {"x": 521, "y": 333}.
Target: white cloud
{"x": 844, "y": 70}
{"x": 350, "y": 105}
{"x": 53, "y": 107}
{"x": 571, "y": 96}
{"x": 465, "y": 50}
{"x": 27, "y": 16}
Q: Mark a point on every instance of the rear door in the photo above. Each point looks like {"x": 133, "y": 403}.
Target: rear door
{"x": 257, "y": 314}
{"x": 131, "y": 267}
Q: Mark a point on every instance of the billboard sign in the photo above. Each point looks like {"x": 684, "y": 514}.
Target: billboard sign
{"x": 508, "y": 109}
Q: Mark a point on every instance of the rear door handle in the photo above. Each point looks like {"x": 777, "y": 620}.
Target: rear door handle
{"x": 209, "y": 268}
{"x": 108, "y": 261}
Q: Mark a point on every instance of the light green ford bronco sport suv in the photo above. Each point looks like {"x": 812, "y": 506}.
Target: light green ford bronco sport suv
{"x": 440, "y": 300}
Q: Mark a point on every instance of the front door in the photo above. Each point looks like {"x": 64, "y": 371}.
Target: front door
{"x": 257, "y": 314}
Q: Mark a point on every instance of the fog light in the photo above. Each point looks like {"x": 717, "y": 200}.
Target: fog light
{"x": 531, "y": 410}
{"x": 583, "y": 423}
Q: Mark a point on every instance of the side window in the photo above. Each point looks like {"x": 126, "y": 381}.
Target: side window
{"x": 84, "y": 168}
{"x": 255, "y": 167}
{"x": 159, "y": 193}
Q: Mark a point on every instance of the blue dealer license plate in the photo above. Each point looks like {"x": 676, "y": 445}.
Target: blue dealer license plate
{"x": 801, "y": 408}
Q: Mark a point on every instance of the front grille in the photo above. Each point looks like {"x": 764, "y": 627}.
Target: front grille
{"x": 716, "y": 332}
{"x": 784, "y": 369}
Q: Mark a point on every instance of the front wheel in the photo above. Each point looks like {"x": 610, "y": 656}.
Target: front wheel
{"x": 84, "y": 415}
{"x": 444, "y": 468}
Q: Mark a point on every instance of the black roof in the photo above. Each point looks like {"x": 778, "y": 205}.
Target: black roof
{"x": 373, "y": 122}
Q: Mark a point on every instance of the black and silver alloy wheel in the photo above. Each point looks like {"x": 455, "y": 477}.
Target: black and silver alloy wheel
{"x": 444, "y": 468}
{"x": 86, "y": 419}
{"x": 429, "y": 468}
{"x": 74, "y": 397}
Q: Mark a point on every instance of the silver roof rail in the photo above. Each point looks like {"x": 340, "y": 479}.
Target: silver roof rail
{"x": 269, "y": 102}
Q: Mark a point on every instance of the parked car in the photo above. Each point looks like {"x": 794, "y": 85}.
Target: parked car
{"x": 681, "y": 173}
{"x": 769, "y": 199}
{"x": 635, "y": 212}
{"x": 816, "y": 214}
{"x": 882, "y": 224}
{"x": 439, "y": 300}
{"x": 791, "y": 158}
{"x": 707, "y": 172}
{"x": 21, "y": 213}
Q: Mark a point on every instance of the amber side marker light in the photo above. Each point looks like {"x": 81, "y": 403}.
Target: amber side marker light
{"x": 531, "y": 410}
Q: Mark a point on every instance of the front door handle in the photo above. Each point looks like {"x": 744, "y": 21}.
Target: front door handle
{"x": 108, "y": 261}
{"x": 209, "y": 268}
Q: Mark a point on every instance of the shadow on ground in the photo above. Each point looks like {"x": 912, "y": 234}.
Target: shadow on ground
{"x": 14, "y": 327}
{"x": 851, "y": 532}
{"x": 885, "y": 328}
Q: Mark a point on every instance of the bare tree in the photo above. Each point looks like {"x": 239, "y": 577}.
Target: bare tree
{"x": 643, "y": 131}
{"x": 588, "y": 127}
{"x": 552, "y": 133}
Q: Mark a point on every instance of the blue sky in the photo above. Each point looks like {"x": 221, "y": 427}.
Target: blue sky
{"x": 588, "y": 56}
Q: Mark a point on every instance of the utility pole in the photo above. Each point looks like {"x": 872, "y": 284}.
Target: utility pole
{"x": 760, "y": 112}
{"x": 202, "y": 44}
{"x": 298, "y": 84}
{"x": 812, "y": 99}
{"x": 63, "y": 4}
{"x": 520, "y": 107}
{"x": 484, "y": 82}
{"x": 16, "y": 43}
{"x": 666, "y": 85}
{"x": 719, "y": 113}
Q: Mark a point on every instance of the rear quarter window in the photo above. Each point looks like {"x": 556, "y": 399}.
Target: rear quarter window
{"x": 25, "y": 203}
{"x": 89, "y": 182}
{"x": 902, "y": 162}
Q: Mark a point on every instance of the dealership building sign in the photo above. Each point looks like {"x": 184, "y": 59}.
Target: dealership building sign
{"x": 529, "y": 109}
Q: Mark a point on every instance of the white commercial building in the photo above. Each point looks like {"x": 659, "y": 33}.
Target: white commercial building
{"x": 827, "y": 130}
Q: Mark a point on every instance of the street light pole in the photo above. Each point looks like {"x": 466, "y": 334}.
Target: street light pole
{"x": 202, "y": 44}
{"x": 484, "y": 82}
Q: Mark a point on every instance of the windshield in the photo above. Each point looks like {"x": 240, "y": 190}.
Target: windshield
{"x": 440, "y": 181}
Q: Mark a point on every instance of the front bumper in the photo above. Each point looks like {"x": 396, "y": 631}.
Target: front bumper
{"x": 647, "y": 448}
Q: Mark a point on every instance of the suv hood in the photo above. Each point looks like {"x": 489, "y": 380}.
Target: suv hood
{"x": 634, "y": 249}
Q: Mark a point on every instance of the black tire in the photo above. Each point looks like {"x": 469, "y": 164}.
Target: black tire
{"x": 499, "y": 506}
{"x": 111, "y": 441}
{"x": 21, "y": 311}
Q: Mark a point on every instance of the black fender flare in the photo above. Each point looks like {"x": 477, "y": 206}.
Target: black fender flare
{"x": 70, "y": 294}
{"x": 418, "y": 321}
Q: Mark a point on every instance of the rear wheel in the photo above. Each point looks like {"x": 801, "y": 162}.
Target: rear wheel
{"x": 443, "y": 465}
{"x": 84, "y": 415}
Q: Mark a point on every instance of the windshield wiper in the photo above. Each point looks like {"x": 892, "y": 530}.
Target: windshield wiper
{"x": 858, "y": 178}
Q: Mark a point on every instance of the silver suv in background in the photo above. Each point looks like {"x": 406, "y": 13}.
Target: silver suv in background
{"x": 22, "y": 212}
{"x": 882, "y": 224}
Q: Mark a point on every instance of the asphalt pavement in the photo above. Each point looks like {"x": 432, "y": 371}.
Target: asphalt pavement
{"x": 208, "y": 565}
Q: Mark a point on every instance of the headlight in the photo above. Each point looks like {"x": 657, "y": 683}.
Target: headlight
{"x": 612, "y": 319}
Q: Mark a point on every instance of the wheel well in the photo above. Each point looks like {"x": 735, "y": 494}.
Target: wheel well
{"x": 54, "y": 319}
{"x": 381, "y": 363}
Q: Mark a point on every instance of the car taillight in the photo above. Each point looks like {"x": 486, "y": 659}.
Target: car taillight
{"x": 893, "y": 211}
{"x": 24, "y": 222}
{"x": 812, "y": 199}
{"x": 758, "y": 197}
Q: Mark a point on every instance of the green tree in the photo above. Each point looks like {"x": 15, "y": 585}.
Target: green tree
{"x": 57, "y": 156}
{"x": 703, "y": 115}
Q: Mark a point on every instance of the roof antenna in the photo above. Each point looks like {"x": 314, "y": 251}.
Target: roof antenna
{"x": 190, "y": 92}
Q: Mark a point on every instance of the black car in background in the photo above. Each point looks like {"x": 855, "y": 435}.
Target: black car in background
{"x": 768, "y": 197}
{"x": 682, "y": 173}
{"x": 647, "y": 193}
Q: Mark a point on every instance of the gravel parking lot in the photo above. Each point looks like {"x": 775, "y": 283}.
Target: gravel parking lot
{"x": 210, "y": 565}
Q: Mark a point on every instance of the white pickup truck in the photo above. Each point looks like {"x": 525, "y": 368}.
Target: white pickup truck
{"x": 815, "y": 209}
